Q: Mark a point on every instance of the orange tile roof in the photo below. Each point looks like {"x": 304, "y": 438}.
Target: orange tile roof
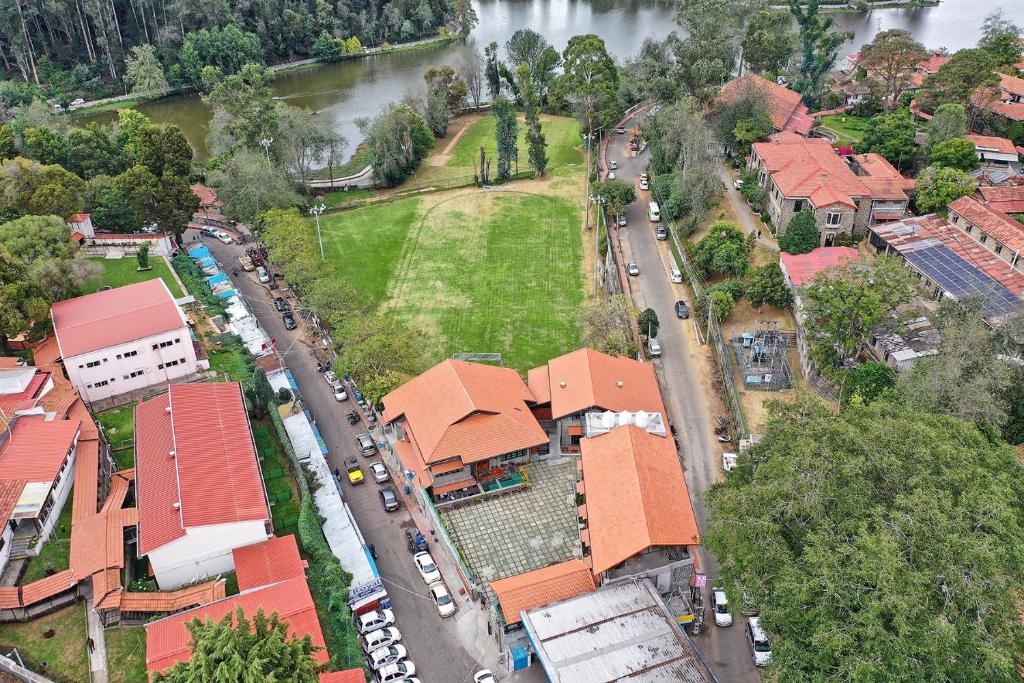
{"x": 1009, "y": 193}
{"x": 636, "y": 496}
{"x": 446, "y": 467}
{"x": 107, "y": 589}
{"x": 36, "y": 448}
{"x": 587, "y": 379}
{"x": 78, "y": 217}
{"x": 167, "y": 640}
{"x": 346, "y": 676}
{"x": 539, "y": 384}
{"x": 882, "y": 178}
{"x": 1003, "y": 104}
{"x": 97, "y": 542}
{"x": 214, "y": 475}
{"x": 802, "y": 268}
{"x": 207, "y": 196}
{"x": 10, "y": 491}
{"x": 471, "y": 410}
{"x": 810, "y": 168}
{"x": 542, "y": 587}
{"x": 781, "y": 101}
{"x": 1001, "y": 145}
{"x": 44, "y": 588}
{"x": 174, "y": 601}
{"x": 46, "y": 353}
{"x": 116, "y": 316}
{"x": 275, "y": 559}
{"x": 997, "y": 225}
{"x": 454, "y": 486}
{"x": 412, "y": 461}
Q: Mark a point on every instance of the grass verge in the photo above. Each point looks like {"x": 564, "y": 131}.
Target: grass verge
{"x": 126, "y": 654}
{"x": 63, "y": 656}
{"x": 119, "y": 426}
{"x": 281, "y": 490}
{"x": 120, "y": 272}
{"x": 57, "y": 551}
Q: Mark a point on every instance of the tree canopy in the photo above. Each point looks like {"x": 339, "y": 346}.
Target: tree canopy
{"x": 890, "y": 58}
{"x": 958, "y": 153}
{"x": 722, "y": 250}
{"x": 802, "y": 235}
{"x": 891, "y": 136}
{"x": 607, "y": 325}
{"x": 939, "y": 186}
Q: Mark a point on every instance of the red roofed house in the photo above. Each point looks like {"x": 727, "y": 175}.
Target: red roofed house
{"x": 37, "y": 465}
{"x": 281, "y": 588}
{"x": 996, "y": 231}
{"x": 198, "y": 484}
{"x": 797, "y": 173}
{"x": 123, "y": 339}
{"x": 996, "y": 154}
{"x": 82, "y": 224}
{"x": 1006, "y": 101}
{"x": 784, "y": 105}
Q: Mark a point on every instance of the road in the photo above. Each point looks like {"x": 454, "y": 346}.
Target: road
{"x": 685, "y": 389}
{"x": 438, "y": 647}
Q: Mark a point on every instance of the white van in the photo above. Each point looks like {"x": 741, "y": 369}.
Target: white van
{"x": 653, "y": 212}
{"x": 757, "y": 639}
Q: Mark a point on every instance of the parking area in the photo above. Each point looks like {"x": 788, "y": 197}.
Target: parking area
{"x": 520, "y": 531}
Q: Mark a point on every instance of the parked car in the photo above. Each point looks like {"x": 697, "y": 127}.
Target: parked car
{"x": 280, "y": 304}
{"x": 644, "y": 177}
{"x": 399, "y": 672}
{"x": 442, "y": 598}
{"x": 632, "y": 268}
{"x": 426, "y": 567}
{"x": 738, "y": 183}
{"x": 379, "y": 472}
{"x": 384, "y": 656}
{"x": 331, "y": 378}
{"x": 613, "y": 165}
{"x": 355, "y": 472}
{"x": 289, "y": 320}
{"x": 621, "y": 130}
{"x": 352, "y": 417}
{"x": 622, "y": 221}
{"x": 224, "y": 237}
{"x": 366, "y": 446}
{"x": 720, "y": 607}
{"x": 262, "y": 275}
{"x": 661, "y": 232}
{"x": 682, "y": 310}
{"x": 246, "y": 263}
{"x": 77, "y": 102}
{"x": 339, "y": 394}
{"x": 644, "y": 185}
{"x": 382, "y": 638}
{"x": 654, "y": 348}
{"x": 611, "y": 175}
{"x": 675, "y": 276}
{"x": 653, "y": 212}
{"x": 372, "y": 621}
{"x": 388, "y": 498}
{"x": 728, "y": 461}
{"x": 208, "y": 231}
{"x": 757, "y": 639}
{"x": 484, "y": 676}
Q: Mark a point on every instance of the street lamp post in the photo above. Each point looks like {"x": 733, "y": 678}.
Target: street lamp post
{"x": 266, "y": 142}
{"x": 599, "y": 200}
{"x": 315, "y": 211}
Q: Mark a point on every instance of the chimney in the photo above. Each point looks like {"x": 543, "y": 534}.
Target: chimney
{"x": 619, "y": 384}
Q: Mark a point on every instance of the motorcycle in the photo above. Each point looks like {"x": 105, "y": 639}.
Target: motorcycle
{"x": 410, "y": 542}
{"x": 373, "y": 551}
{"x": 421, "y": 543}
{"x": 352, "y": 417}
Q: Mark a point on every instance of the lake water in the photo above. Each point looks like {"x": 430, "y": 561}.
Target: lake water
{"x": 352, "y": 89}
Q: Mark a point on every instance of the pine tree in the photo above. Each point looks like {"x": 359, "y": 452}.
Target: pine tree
{"x": 536, "y": 144}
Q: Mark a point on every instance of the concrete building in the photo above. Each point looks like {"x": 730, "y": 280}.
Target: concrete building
{"x": 123, "y": 340}
{"x": 994, "y": 230}
{"x": 797, "y": 173}
{"x": 199, "y": 488}
{"x": 996, "y": 154}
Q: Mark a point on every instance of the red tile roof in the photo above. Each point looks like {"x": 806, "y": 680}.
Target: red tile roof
{"x": 542, "y": 587}
{"x": 782, "y": 102}
{"x": 636, "y": 496}
{"x": 1001, "y": 145}
{"x": 882, "y": 179}
{"x": 36, "y": 448}
{"x": 97, "y": 542}
{"x": 116, "y": 316}
{"x": 78, "y": 217}
{"x": 207, "y": 197}
{"x": 168, "y": 642}
{"x": 260, "y": 564}
{"x": 803, "y": 267}
{"x": 1008, "y": 86}
{"x": 471, "y": 410}
{"x": 214, "y": 476}
{"x": 346, "y": 676}
{"x": 810, "y": 168}
{"x": 174, "y": 601}
{"x": 587, "y": 379}
{"x": 27, "y": 398}
{"x": 996, "y": 225}
{"x": 10, "y": 491}
{"x": 1009, "y": 199}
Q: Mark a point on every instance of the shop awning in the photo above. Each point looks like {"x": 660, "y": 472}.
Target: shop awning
{"x": 446, "y": 467}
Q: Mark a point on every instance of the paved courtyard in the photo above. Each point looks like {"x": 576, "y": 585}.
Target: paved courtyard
{"x": 521, "y": 531}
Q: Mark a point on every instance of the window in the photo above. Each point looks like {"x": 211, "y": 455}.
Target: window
{"x": 833, "y": 218}
{"x": 798, "y": 206}
{"x": 101, "y": 383}
{"x": 170, "y": 363}
{"x": 983, "y": 238}
{"x": 130, "y": 354}
{"x": 92, "y": 364}
{"x": 969, "y": 229}
{"x": 135, "y": 373}
{"x": 177, "y": 341}
{"x": 162, "y": 345}
{"x": 999, "y": 248}
{"x": 956, "y": 219}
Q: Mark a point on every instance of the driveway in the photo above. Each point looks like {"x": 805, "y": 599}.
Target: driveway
{"x": 684, "y": 392}
{"x": 444, "y": 650}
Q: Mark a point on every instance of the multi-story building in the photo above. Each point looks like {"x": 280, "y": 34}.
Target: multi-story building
{"x": 996, "y": 154}
{"x": 797, "y": 173}
{"x": 123, "y": 340}
{"x": 784, "y": 105}
{"x": 199, "y": 488}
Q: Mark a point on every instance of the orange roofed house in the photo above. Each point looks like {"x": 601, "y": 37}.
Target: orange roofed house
{"x": 784, "y": 105}
{"x": 798, "y": 173}
{"x": 198, "y": 483}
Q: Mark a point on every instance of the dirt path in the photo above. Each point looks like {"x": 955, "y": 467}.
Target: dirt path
{"x": 442, "y": 158}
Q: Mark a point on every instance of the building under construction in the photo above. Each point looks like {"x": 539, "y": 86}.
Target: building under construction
{"x": 762, "y": 361}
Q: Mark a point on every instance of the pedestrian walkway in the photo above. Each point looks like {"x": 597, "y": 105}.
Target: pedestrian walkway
{"x": 98, "y": 649}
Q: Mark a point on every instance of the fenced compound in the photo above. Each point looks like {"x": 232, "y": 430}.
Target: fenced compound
{"x": 762, "y": 359}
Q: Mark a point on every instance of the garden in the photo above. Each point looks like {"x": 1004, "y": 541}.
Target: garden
{"x": 124, "y": 271}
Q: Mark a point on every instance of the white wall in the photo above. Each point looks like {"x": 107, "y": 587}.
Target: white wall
{"x": 203, "y": 552}
{"x": 5, "y": 552}
{"x": 59, "y": 492}
{"x": 147, "y": 359}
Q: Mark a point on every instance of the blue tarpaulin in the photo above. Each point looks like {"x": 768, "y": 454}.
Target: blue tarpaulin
{"x": 319, "y": 439}
{"x": 225, "y": 294}
{"x": 216, "y": 279}
{"x": 207, "y": 262}
{"x": 202, "y": 251}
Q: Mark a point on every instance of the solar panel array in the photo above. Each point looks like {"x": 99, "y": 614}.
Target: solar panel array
{"x": 961, "y": 279}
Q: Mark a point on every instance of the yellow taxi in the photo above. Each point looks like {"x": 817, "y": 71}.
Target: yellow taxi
{"x": 355, "y": 472}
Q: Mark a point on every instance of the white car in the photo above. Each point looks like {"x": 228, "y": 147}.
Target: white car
{"x": 379, "y": 472}
{"x": 339, "y": 393}
{"x": 654, "y": 348}
{"x": 632, "y": 268}
{"x": 384, "y": 656}
{"x": 611, "y": 175}
{"x": 332, "y": 379}
{"x": 675, "y": 276}
{"x": 426, "y": 567}
{"x": 720, "y": 607}
{"x": 484, "y": 676}
{"x": 399, "y": 672}
{"x": 443, "y": 599}
{"x": 378, "y": 619}
{"x": 262, "y": 275}
{"x": 622, "y": 221}
{"x": 224, "y": 237}
{"x": 757, "y": 639}
{"x": 728, "y": 461}
{"x": 644, "y": 185}
{"x": 381, "y": 638}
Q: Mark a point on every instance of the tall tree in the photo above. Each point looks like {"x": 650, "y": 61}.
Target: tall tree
{"x": 890, "y": 59}
{"x": 958, "y": 153}
{"x": 590, "y": 82}
{"x": 250, "y": 650}
{"x": 879, "y": 544}
{"x": 802, "y": 235}
{"x": 243, "y": 110}
{"x": 536, "y": 144}
{"x": 769, "y": 43}
{"x": 819, "y": 45}
{"x": 451, "y": 85}
{"x": 937, "y": 187}
{"x": 892, "y": 136}
{"x": 396, "y": 140}
{"x": 706, "y": 55}
{"x": 248, "y": 186}
{"x": 22, "y": 302}
{"x": 471, "y": 71}
{"x": 379, "y": 353}
{"x": 1001, "y": 38}
{"x": 92, "y": 151}
{"x": 722, "y": 251}
{"x": 143, "y": 71}
{"x": 506, "y": 137}
{"x": 949, "y": 121}
{"x": 304, "y": 140}
{"x": 968, "y": 74}
{"x": 607, "y": 325}
{"x": 492, "y": 74}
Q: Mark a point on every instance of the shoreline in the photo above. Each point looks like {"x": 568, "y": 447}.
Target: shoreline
{"x": 885, "y": 4}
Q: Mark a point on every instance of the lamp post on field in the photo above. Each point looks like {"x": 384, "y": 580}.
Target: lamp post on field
{"x": 266, "y": 142}
{"x": 315, "y": 211}
{"x": 599, "y": 200}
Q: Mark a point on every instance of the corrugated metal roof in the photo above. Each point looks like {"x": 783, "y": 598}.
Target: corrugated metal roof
{"x": 116, "y": 316}
{"x": 260, "y": 564}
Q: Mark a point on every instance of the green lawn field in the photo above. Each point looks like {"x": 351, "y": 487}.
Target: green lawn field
{"x": 119, "y": 426}
{"x": 120, "y": 272}
{"x": 478, "y": 271}
{"x": 848, "y": 128}
{"x": 126, "y": 654}
{"x": 63, "y": 656}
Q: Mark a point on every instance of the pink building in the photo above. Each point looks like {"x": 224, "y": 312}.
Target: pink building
{"x": 123, "y": 340}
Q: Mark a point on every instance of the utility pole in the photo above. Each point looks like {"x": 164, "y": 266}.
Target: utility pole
{"x": 315, "y": 211}
{"x": 599, "y": 201}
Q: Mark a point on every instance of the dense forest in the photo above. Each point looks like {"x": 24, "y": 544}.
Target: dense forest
{"x": 91, "y": 47}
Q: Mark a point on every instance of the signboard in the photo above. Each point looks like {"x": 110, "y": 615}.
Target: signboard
{"x": 698, "y": 580}
{"x": 365, "y": 590}
{"x": 685, "y": 619}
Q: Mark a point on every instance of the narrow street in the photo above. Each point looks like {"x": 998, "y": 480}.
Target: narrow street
{"x": 678, "y": 369}
{"x": 444, "y": 651}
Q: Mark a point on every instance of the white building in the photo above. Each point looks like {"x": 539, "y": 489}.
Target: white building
{"x": 123, "y": 339}
{"x": 199, "y": 489}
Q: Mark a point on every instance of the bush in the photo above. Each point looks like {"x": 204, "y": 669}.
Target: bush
{"x": 722, "y": 304}
{"x": 735, "y": 287}
{"x": 193, "y": 279}
{"x": 767, "y": 286}
{"x": 801, "y": 235}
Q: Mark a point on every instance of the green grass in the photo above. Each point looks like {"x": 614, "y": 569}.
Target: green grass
{"x": 333, "y": 199}
{"x": 478, "y": 271}
{"x": 359, "y": 161}
{"x": 273, "y": 457}
{"x": 56, "y": 553}
{"x": 119, "y": 426}
{"x": 230, "y": 583}
{"x": 120, "y": 272}
{"x": 228, "y": 359}
{"x": 562, "y": 136}
{"x": 126, "y": 654}
{"x": 62, "y": 658}
{"x": 848, "y": 128}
